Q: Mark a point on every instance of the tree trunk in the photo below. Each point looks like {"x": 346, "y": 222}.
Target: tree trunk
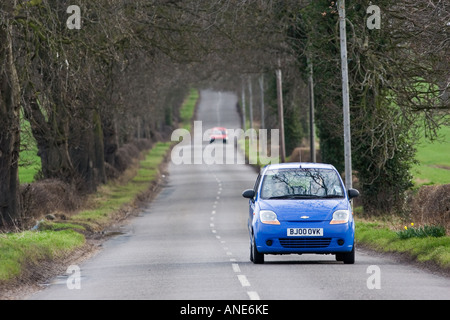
{"x": 110, "y": 139}
{"x": 87, "y": 151}
{"x": 9, "y": 131}
{"x": 52, "y": 142}
{"x": 99, "y": 149}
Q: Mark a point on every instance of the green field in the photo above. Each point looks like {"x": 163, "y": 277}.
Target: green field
{"x": 434, "y": 160}
{"x": 29, "y": 162}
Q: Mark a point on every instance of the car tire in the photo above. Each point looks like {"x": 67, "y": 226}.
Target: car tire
{"x": 255, "y": 256}
{"x": 349, "y": 257}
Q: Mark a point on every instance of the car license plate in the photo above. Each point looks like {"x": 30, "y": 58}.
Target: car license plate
{"x": 305, "y": 232}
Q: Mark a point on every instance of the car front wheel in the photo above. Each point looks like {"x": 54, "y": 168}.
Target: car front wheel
{"x": 255, "y": 256}
{"x": 347, "y": 257}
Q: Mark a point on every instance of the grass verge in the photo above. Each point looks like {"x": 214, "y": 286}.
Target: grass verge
{"x": 187, "y": 110}
{"x": 30, "y": 248}
{"x": 381, "y": 237}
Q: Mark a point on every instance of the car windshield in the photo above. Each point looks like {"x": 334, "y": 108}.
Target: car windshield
{"x": 301, "y": 184}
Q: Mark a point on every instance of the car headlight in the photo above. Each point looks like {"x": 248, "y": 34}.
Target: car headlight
{"x": 268, "y": 217}
{"x": 340, "y": 217}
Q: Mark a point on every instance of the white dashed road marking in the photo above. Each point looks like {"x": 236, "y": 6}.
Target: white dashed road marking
{"x": 253, "y": 295}
{"x": 243, "y": 280}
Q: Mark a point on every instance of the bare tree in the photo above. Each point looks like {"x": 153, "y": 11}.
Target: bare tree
{"x": 9, "y": 120}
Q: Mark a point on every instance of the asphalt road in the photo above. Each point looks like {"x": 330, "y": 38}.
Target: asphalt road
{"x": 191, "y": 243}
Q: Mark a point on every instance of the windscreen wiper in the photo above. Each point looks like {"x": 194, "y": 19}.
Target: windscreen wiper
{"x": 295, "y": 196}
{"x": 280, "y": 197}
{"x": 331, "y": 196}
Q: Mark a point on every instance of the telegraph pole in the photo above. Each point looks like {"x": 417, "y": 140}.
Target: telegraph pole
{"x": 312, "y": 125}
{"x": 250, "y": 93}
{"x": 261, "y": 88}
{"x": 345, "y": 96}
{"x": 244, "y": 120}
{"x": 281, "y": 113}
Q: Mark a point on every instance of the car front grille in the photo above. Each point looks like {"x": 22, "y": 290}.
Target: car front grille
{"x": 305, "y": 242}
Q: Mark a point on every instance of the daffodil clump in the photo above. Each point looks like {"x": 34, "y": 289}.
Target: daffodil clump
{"x": 421, "y": 232}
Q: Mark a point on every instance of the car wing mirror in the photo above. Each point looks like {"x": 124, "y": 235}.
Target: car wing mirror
{"x": 248, "y": 194}
{"x": 352, "y": 193}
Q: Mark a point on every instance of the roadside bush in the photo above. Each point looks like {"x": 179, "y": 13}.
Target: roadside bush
{"x": 45, "y": 197}
{"x": 51, "y": 196}
{"x": 430, "y": 205}
{"x": 129, "y": 151}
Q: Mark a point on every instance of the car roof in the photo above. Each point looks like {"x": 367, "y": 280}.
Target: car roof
{"x": 298, "y": 165}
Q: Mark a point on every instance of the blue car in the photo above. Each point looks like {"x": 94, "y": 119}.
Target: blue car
{"x": 298, "y": 208}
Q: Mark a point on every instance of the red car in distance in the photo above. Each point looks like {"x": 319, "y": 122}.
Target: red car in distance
{"x": 218, "y": 133}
